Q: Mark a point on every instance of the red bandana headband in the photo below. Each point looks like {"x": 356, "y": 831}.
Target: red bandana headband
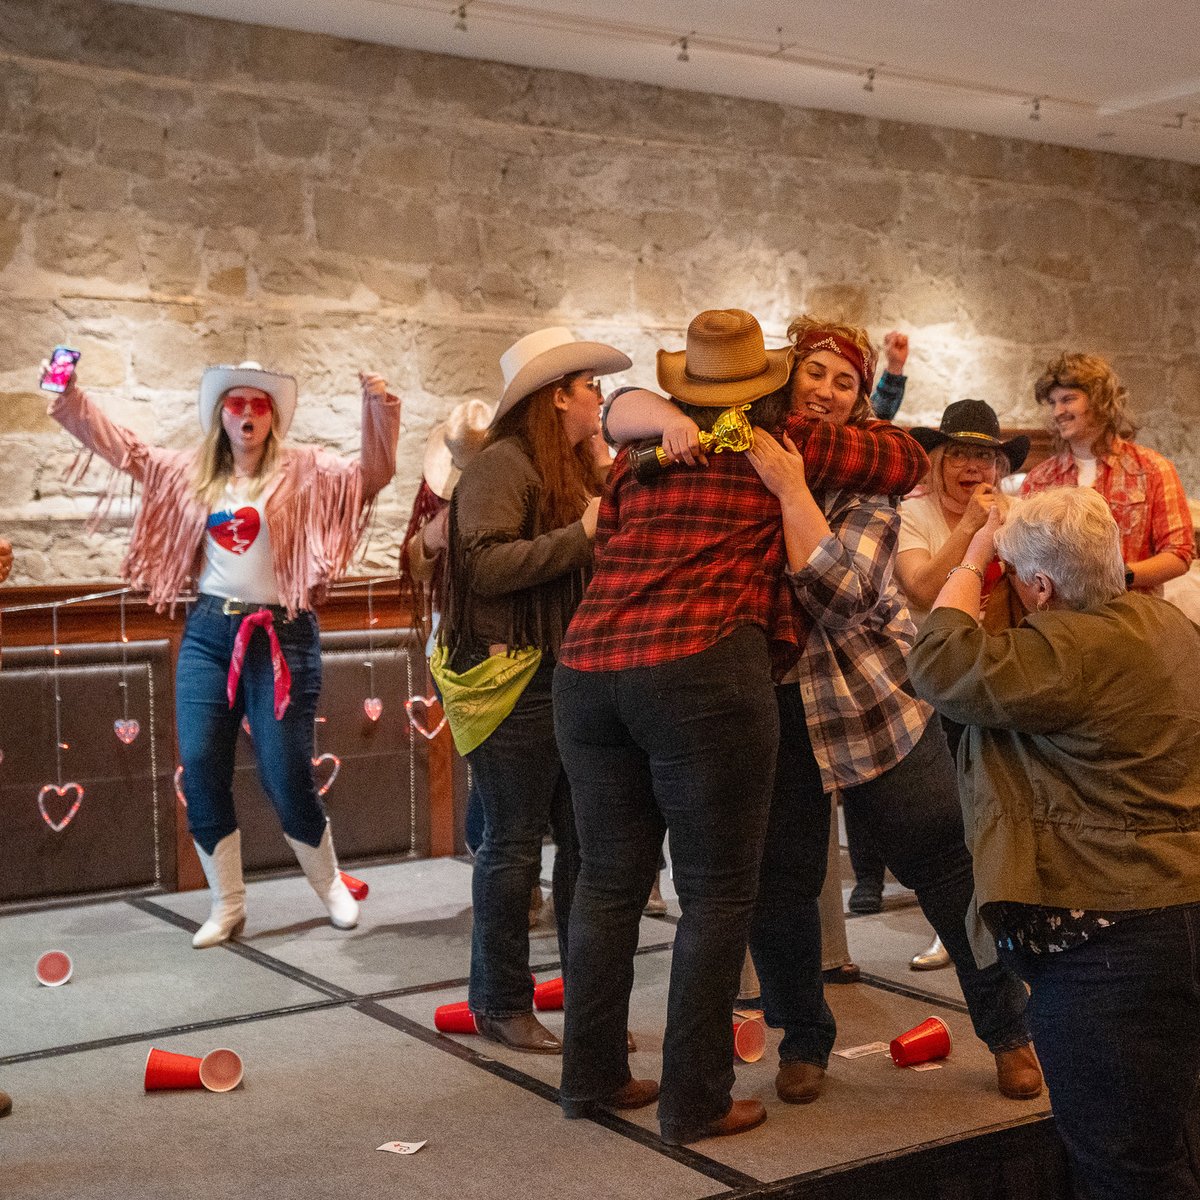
{"x": 826, "y": 339}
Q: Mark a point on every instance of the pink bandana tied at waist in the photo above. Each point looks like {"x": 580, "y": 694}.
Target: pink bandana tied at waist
{"x": 264, "y": 618}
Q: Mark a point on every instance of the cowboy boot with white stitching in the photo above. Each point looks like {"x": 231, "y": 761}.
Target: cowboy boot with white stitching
{"x": 223, "y": 870}
{"x": 319, "y": 864}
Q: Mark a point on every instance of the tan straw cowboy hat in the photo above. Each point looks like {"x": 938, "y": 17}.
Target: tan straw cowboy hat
{"x": 452, "y": 444}
{"x": 725, "y": 363}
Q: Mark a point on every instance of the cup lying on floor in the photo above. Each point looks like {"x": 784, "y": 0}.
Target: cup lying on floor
{"x": 548, "y": 996}
{"x": 167, "y": 1071}
{"x": 924, "y": 1043}
{"x": 53, "y": 968}
{"x": 749, "y": 1038}
{"x": 356, "y": 887}
{"x": 221, "y": 1070}
{"x": 454, "y": 1018}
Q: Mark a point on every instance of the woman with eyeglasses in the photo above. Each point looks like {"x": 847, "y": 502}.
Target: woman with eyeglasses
{"x": 522, "y": 520}
{"x": 259, "y": 529}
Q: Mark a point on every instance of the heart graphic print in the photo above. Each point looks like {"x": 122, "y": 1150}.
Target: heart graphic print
{"x": 234, "y": 531}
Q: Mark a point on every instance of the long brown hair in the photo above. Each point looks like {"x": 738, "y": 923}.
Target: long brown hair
{"x": 214, "y": 463}
{"x": 570, "y": 477}
{"x": 1107, "y": 396}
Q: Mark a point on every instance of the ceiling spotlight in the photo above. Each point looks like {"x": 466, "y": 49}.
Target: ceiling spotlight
{"x": 683, "y": 55}
{"x": 461, "y": 14}
{"x": 869, "y": 86}
{"x": 1036, "y": 113}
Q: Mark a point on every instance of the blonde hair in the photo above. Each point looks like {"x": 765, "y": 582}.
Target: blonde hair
{"x": 801, "y": 326}
{"x": 935, "y": 482}
{"x": 1069, "y": 535}
{"x": 1107, "y": 396}
{"x": 214, "y": 463}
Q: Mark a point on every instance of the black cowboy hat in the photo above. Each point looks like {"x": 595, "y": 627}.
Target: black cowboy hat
{"x": 973, "y": 423}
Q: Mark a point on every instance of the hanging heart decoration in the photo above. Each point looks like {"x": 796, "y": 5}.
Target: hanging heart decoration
{"x": 179, "y": 786}
{"x": 126, "y": 730}
{"x": 373, "y": 706}
{"x": 333, "y": 774}
{"x": 426, "y": 715}
{"x": 64, "y": 792}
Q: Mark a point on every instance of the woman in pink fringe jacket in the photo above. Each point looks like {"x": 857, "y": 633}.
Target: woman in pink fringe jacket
{"x": 260, "y": 529}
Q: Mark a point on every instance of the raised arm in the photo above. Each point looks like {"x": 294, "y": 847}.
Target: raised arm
{"x": 380, "y": 433}
{"x": 85, "y": 421}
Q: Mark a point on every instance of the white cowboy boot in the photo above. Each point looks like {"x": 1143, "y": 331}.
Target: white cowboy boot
{"x": 319, "y": 864}
{"x": 223, "y": 870}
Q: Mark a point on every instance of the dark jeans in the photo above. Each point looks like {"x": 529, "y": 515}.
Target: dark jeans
{"x": 913, "y": 815}
{"x": 522, "y": 788}
{"x": 208, "y": 727}
{"x": 1116, "y": 1022}
{"x": 689, "y": 747}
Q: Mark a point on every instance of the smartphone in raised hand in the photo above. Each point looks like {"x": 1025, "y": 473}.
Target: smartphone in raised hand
{"x": 59, "y": 369}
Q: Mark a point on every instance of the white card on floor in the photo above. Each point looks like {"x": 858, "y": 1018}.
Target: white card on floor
{"x": 859, "y": 1051}
{"x": 930, "y": 1066}
{"x": 401, "y": 1147}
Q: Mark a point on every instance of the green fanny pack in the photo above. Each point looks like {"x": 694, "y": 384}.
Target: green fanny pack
{"x": 476, "y": 701}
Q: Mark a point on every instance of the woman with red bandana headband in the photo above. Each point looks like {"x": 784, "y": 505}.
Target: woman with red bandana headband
{"x": 260, "y": 529}
{"x": 848, "y": 721}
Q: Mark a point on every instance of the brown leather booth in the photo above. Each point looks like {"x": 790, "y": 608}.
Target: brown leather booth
{"x": 396, "y": 793}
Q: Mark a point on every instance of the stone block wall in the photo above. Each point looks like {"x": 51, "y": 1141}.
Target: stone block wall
{"x": 177, "y": 191}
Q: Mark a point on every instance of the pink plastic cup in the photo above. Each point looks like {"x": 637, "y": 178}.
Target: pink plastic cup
{"x": 548, "y": 996}
{"x": 166, "y": 1071}
{"x": 926, "y": 1042}
{"x": 454, "y": 1018}
{"x": 53, "y": 968}
{"x": 749, "y": 1039}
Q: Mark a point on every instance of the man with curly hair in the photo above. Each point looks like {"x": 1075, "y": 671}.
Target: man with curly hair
{"x": 1087, "y": 409}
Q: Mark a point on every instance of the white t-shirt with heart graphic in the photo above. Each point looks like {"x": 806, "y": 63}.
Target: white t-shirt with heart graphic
{"x": 237, "y": 550}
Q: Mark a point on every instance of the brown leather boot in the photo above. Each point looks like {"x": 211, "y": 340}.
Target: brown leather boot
{"x": 1018, "y": 1075}
{"x": 742, "y": 1115}
{"x": 5, "y": 1104}
{"x": 522, "y": 1032}
{"x": 799, "y": 1082}
{"x": 637, "y": 1093}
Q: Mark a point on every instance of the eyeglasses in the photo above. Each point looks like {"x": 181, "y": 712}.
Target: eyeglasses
{"x": 592, "y": 384}
{"x": 237, "y": 406}
{"x": 959, "y": 455}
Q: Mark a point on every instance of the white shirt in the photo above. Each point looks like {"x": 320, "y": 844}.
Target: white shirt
{"x": 237, "y": 549}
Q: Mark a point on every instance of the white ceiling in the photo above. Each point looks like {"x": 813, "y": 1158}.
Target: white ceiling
{"x": 1114, "y": 75}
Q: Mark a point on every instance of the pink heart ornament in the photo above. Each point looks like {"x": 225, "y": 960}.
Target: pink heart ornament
{"x": 126, "y": 731}
{"x": 373, "y": 706}
{"x": 426, "y": 715}
{"x": 179, "y": 786}
{"x": 337, "y": 766}
{"x": 61, "y": 793}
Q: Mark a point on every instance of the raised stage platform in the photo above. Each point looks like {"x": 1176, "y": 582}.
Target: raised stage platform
{"x": 336, "y": 1031}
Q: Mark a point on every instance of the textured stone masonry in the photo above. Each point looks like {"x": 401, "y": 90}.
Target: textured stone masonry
{"x": 177, "y": 191}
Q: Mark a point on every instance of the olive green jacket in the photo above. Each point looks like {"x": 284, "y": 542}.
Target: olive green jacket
{"x": 1079, "y": 773}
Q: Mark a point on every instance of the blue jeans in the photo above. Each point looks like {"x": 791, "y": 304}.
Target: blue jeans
{"x": 522, "y": 789}
{"x": 1116, "y": 1022}
{"x": 687, "y": 747}
{"x": 208, "y": 727}
{"x": 912, "y": 813}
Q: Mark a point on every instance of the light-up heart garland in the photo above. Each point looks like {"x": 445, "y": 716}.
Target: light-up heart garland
{"x": 59, "y": 789}
{"x": 372, "y": 705}
{"x": 426, "y": 715}
{"x": 125, "y": 727}
{"x": 327, "y": 757}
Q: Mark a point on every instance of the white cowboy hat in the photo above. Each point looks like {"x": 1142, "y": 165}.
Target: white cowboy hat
{"x": 549, "y": 354}
{"x": 452, "y": 444}
{"x": 216, "y": 381}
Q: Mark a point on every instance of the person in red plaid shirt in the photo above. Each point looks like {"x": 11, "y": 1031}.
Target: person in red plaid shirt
{"x": 666, "y": 720}
{"x": 1086, "y": 405}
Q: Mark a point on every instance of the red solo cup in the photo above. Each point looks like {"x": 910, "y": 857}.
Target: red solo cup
{"x": 929, "y": 1040}
{"x": 166, "y": 1071}
{"x": 356, "y": 887}
{"x": 53, "y": 968}
{"x": 454, "y": 1018}
{"x": 548, "y": 996}
{"x": 221, "y": 1070}
{"x": 749, "y": 1039}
